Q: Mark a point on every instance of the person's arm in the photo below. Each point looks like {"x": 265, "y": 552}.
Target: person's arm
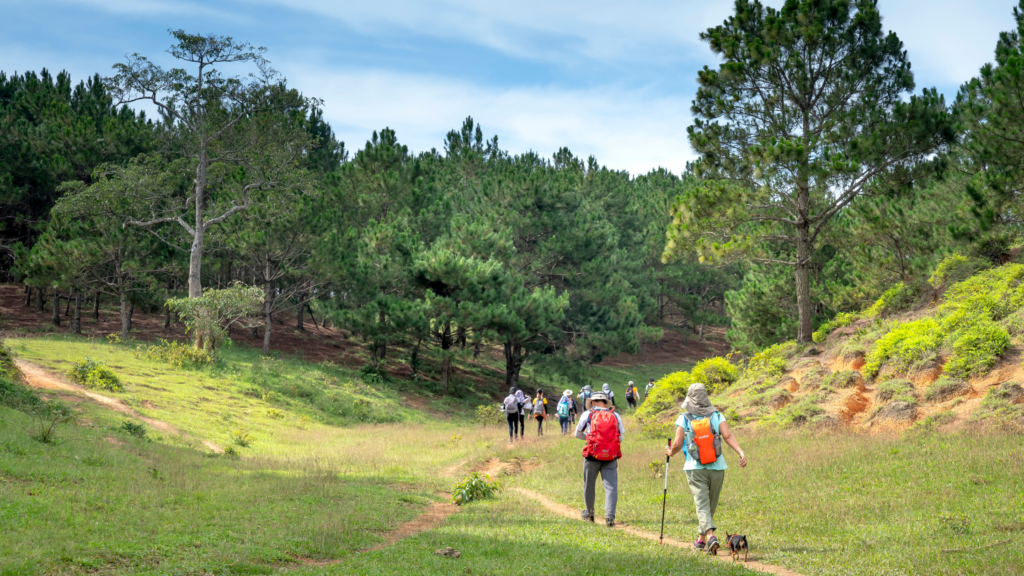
{"x": 622, "y": 428}
{"x": 677, "y": 444}
{"x": 723, "y": 429}
{"x": 582, "y": 426}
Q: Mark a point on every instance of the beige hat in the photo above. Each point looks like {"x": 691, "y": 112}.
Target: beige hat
{"x": 567, "y": 393}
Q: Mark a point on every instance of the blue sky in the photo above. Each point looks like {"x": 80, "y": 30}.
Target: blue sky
{"x": 612, "y": 79}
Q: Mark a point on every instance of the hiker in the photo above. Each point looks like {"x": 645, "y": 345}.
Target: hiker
{"x": 700, "y": 430}
{"x": 631, "y": 394}
{"x": 650, "y": 386}
{"x": 603, "y": 430}
{"x": 540, "y": 411}
{"x": 511, "y": 407}
{"x": 573, "y": 409}
{"x": 608, "y": 392}
{"x": 585, "y": 395}
{"x": 563, "y": 411}
{"x": 523, "y": 402}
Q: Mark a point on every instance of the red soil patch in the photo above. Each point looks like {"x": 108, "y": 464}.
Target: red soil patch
{"x": 855, "y": 404}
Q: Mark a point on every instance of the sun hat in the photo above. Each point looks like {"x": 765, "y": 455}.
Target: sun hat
{"x": 630, "y": 382}
{"x": 599, "y": 396}
{"x": 567, "y": 393}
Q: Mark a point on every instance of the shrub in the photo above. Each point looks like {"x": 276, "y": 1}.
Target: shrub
{"x": 374, "y": 374}
{"x": 814, "y": 377}
{"x": 798, "y": 413}
{"x": 976, "y": 349}
{"x": 137, "y": 430}
{"x": 241, "y": 437}
{"x": 175, "y": 354}
{"x": 904, "y": 345}
{"x": 993, "y": 294}
{"x": 956, "y": 268}
{"x": 716, "y": 374}
{"x": 901, "y": 390}
{"x": 841, "y": 320}
{"x": 474, "y": 487}
{"x": 897, "y": 299}
{"x": 667, "y": 391}
{"x": 772, "y": 361}
{"x": 842, "y": 379}
{"x": 93, "y": 374}
{"x": 485, "y": 415}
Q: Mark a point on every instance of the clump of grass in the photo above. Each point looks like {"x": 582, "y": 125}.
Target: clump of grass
{"x": 135, "y": 429}
{"x": 899, "y": 390}
{"x": 798, "y": 413}
{"x": 93, "y": 374}
{"x": 842, "y": 379}
{"x": 945, "y": 388}
{"x": 958, "y": 524}
{"x": 474, "y": 487}
{"x": 175, "y": 354}
{"x": 242, "y": 437}
{"x": 814, "y": 377}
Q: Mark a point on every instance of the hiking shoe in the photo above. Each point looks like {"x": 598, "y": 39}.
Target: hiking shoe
{"x": 586, "y": 514}
{"x": 610, "y": 522}
{"x": 712, "y": 546}
{"x": 698, "y": 545}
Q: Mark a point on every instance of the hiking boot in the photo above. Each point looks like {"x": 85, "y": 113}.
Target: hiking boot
{"x": 698, "y": 545}
{"x": 587, "y": 515}
{"x": 712, "y": 546}
{"x": 610, "y": 522}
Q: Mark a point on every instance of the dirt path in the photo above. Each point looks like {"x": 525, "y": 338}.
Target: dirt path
{"x": 37, "y": 377}
{"x": 569, "y": 512}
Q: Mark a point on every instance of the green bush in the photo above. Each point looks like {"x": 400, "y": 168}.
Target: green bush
{"x": 93, "y": 374}
{"x": 905, "y": 345}
{"x": 798, "y": 413}
{"x": 137, "y": 430}
{"x": 474, "y": 487}
{"x": 945, "y": 388}
{"x": 667, "y": 392}
{"x": 175, "y": 354}
{"x": 956, "y": 268}
{"x": 772, "y": 361}
{"x": 841, "y": 320}
{"x": 242, "y": 437}
{"x": 897, "y": 299}
{"x": 993, "y": 295}
{"x": 901, "y": 390}
{"x": 374, "y": 375}
{"x": 716, "y": 374}
{"x": 486, "y": 415}
{"x": 977, "y": 348}
{"x": 842, "y": 379}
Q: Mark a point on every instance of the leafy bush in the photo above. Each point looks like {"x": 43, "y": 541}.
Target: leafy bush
{"x": 175, "y": 354}
{"x": 208, "y": 316}
{"x": 841, "y": 320}
{"x": 842, "y": 379}
{"x": 945, "y": 388}
{"x": 976, "y": 348}
{"x": 93, "y": 374}
{"x": 486, "y": 415}
{"x": 667, "y": 391}
{"x": 137, "y": 430}
{"x": 993, "y": 295}
{"x": 374, "y": 374}
{"x": 716, "y": 374}
{"x": 956, "y": 268}
{"x": 897, "y": 299}
{"x": 905, "y": 345}
{"x": 772, "y": 361}
{"x": 241, "y": 437}
{"x": 474, "y": 487}
{"x": 901, "y": 390}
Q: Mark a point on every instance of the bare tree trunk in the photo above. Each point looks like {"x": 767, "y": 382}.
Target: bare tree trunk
{"x": 302, "y": 312}
{"x": 67, "y": 309}
{"x": 513, "y": 363}
{"x": 268, "y": 307}
{"x": 28, "y": 297}
{"x": 446, "y": 359}
{"x": 126, "y": 323}
{"x": 313, "y": 318}
{"x": 805, "y": 312}
{"x": 56, "y": 307}
{"x": 39, "y": 300}
{"x": 76, "y": 322}
{"x": 131, "y": 313}
{"x": 96, "y": 307}
{"x": 382, "y": 343}
{"x": 167, "y": 314}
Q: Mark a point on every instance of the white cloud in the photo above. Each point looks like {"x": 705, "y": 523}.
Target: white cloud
{"x": 626, "y": 129}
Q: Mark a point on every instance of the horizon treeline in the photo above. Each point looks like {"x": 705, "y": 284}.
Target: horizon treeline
{"x": 820, "y": 183}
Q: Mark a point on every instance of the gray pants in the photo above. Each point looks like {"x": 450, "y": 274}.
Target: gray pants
{"x": 706, "y": 486}
{"x": 610, "y": 476}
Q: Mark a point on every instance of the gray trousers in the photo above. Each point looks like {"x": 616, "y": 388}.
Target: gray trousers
{"x": 706, "y": 486}
{"x": 610, "y": 476}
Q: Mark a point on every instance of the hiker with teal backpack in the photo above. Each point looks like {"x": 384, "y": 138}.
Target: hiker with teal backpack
{"x": 603, "y": 430}
{"x": 563, "y": 411}
{"x": 700, "y": 431}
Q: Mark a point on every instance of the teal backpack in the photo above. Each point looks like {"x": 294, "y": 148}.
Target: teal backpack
{"x": 563, "y": 409}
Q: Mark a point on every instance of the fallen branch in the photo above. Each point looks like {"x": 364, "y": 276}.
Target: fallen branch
{"x": 992, "y": 545}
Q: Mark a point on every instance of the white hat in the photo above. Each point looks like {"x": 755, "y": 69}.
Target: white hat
{"x": 630, "y": 382}
{"x": 567, "y": 393}
{"x": 599, "y": 396}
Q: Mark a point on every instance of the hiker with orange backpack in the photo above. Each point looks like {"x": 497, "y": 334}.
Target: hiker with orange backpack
{"x": 700, "y": 431}
{"x": 603, "y": 430}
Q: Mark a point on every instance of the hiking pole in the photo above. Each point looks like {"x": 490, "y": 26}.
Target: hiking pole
{"x": 664, "y": 498}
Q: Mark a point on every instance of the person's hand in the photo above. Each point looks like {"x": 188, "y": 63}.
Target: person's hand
{"x": 668, "y": 450}
{"x": 743, "y": 460}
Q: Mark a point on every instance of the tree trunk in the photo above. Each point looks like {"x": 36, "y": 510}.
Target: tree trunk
{"x": 805, "y": 310}
{"x": 28, "y": 297}
{"x": 446, "y": 359}
{"x": 39, "y": 300}
{"x": 311, "y": 317}
{"x": 268, "y": 307}
{"x": 76, "y": 322}
{"x": 56, "y": 307}
{"x": 513, "y": 364}
{"x": 167, "y": 314}
{"x": 96, "y": 307}
{"x": 302, "y": 312}
{"x": 126, "y": 323}
{"x": 382, "y": 343}
{"x": 67, "y": 309}
{"x": 131, "y": 314}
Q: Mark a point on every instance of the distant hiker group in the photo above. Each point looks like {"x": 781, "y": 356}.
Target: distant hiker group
{"x": 700, "y": 431}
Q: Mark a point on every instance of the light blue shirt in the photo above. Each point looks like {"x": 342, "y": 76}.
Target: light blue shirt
{"x": 691, "y": 464}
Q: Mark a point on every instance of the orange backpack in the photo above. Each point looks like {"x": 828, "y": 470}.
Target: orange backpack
{"x": 703, "y": 442}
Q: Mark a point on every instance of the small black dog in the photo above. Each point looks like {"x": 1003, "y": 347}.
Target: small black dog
{"x": 737, "y": 544}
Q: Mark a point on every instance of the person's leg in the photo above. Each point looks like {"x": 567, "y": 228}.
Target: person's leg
{"x": 699, "y": 484}
{"x": 590, "y": 471}
{"x": 522, "y": 425}
{"x": 610, "y": 478}
{"x": 716, "y": 478}
{"x": 511, "y": 419}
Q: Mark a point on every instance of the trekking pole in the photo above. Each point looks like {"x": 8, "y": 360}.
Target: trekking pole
{"x": 664, "y": 499}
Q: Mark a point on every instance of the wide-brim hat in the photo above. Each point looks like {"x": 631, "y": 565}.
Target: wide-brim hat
{"x": 599, "y": 396}
{"x": 567, "y": 393}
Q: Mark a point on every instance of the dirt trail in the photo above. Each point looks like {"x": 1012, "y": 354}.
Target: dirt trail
{"x": 37, "y": 377}
{"x": 569, "y": 512}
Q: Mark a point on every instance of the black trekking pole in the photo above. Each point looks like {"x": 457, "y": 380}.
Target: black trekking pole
{"x": 664, "y": 499}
